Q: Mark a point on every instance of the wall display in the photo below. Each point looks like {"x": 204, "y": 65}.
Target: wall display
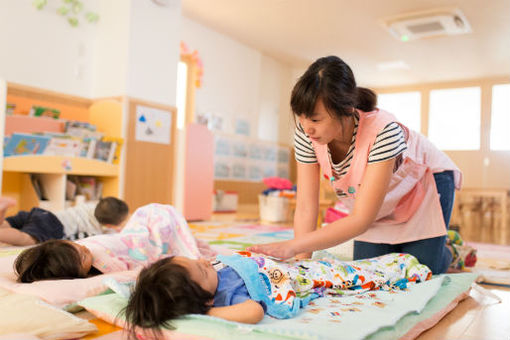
{"x": 245, "y": 159}
{"x": 153, "y": 125}
{"x": 242, "y": 127}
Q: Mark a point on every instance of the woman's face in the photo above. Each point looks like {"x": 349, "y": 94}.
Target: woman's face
{"x": 321, "y": 127}
{"x": 200, "y": 271}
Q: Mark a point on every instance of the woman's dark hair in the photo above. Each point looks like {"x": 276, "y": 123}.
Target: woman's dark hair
{"x": 163, "y": 292}
{"x": 53, "y": 259}
{"x": 331, "y": 80}
{"x": 111, "y": 210}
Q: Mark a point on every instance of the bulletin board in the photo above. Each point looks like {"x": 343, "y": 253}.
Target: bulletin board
{"x": 149, "y": 169}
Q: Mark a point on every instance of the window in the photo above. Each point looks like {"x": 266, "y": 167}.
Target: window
{"x": 500, "y": 117}
{"x": 406, "y": 106}
{"x": 454, "y": 118}
{"x": 182, "y": 88}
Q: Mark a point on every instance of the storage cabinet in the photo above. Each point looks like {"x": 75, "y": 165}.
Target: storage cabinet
{"x": 53, "y": 171}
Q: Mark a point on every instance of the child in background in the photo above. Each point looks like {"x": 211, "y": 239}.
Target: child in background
{"x": 39, "y": 225}
{"x": 249, "y": 286}
{"x": 153, "y": 231}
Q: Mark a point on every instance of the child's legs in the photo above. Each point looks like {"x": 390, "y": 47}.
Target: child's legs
{"x": 165, "y": 227}
{"x": 431, "y": 252}
{"x": 5, "y": 203}
{"x": 16, "y": 237}
{"x": 366, "y": 250}
{"x": 10, "y": 231}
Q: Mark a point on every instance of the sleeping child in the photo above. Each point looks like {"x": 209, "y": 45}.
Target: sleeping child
{"x": 38, "y": 225}
{"x": 248, "y": 286}
{"x": 153, "y": 231}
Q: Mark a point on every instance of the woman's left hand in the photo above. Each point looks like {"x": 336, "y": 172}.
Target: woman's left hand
{"x": 282, "y": 250}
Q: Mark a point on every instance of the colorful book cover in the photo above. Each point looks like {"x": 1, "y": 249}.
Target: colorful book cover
{"x": 26, "y": 144}
{"x": 118, "y": 147}
{"x": 63, "y": 146}
{"x": 40, "y": 111}
{"x": 104, "y": 151}
{"x": 88, "y": 147}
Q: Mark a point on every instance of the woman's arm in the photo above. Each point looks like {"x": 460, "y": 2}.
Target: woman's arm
{"x": 368, "y": 202}
{"x": 248, "y": 311}
{"x": 307, "y": 201}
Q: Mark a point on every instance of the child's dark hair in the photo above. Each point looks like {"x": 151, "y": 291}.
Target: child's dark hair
{"x": 53, "y": 259}
{"x": 163, "y": 292}
{"x": 331, "y": 80}
{"x": 111, "y": 210}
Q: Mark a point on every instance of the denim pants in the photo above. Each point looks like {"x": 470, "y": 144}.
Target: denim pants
{"x": 431, "y": 251}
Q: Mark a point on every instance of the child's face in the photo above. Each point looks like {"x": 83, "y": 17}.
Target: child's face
{"x": 200, "y": 271}
{"x": 85, "y": 257}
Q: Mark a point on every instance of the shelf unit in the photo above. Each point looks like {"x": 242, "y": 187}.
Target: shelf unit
{"x": 53, "y": 171}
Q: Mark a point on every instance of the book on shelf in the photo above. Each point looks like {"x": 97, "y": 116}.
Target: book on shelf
{"x": 10, "y": 108}
{"x": 105, "y": 150}
{"x": 88, "y": 186}
{"x": 26, "y": 144}
{"x": 63, "y": 145}
{"x": 82, "y": 130}
{"x": 88, "y": 147}
{"x": 117, "y": 146}
{"x": 41, "y": 111}
{"x": 38, "y": 187}
{"x": 71, "y": 189}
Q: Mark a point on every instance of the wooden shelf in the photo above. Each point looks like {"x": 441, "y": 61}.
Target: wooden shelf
{"x": 59, "y": 165}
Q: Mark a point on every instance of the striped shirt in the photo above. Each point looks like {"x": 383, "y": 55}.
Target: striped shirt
{"x": 389, "y": 143}
{"x": 79, "y": 221}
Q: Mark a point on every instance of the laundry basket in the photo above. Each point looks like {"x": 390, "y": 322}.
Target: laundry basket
{"x": 273, "y": 208}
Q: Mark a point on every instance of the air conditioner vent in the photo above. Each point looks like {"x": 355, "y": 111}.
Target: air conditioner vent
{"x": 427, "y": 27}
{"x": 431, "y": 23}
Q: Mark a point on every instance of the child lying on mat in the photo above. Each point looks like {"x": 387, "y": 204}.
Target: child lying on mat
{"x": 249, "y": 286}
{"x": 38, "y": 225}
{"x": 152, "y": 232}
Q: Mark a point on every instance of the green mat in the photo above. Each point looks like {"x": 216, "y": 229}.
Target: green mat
{"x": 107, "y": 307}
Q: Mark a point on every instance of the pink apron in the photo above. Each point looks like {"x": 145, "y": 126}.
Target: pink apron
{"x": 411, "y": 210}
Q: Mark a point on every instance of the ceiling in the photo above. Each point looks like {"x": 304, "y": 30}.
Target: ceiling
{"x": 297, "y": 32}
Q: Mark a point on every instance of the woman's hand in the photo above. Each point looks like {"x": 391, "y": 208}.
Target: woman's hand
{"x": 282, "y": 250}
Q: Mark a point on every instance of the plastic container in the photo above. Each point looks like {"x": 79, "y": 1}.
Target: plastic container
{"x": 273, "y": 208}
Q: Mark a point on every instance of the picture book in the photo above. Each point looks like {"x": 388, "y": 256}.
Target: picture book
{"x": 26, "y": 144}
{"x": 40, "y": 111}
{"x": 82, "y": 129}
{"x": 104, "y": 151}
{"x": 118, "y": 147}
{"x": 63, "y": 146}
{"x": 88, "y": 147}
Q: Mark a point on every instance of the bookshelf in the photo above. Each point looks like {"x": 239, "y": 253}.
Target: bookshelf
{"x": 53, "y": 171}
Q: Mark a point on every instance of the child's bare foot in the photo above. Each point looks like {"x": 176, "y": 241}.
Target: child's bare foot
{"x": 6, "y": 202}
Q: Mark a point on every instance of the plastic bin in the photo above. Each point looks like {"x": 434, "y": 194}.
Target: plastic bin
{"x": 273, "y": 208}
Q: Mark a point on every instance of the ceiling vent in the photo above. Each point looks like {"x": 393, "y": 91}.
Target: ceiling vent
{"x": 426, "y": 24}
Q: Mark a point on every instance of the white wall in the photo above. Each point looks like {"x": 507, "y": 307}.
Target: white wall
{"x": 273, "y": 75}
{"x": 238, "y": 82}
{"x": 154, "y": 36}
{"x": 231, "y": 75}
{"x": 41, "y": 49}
{"x": 110, "y": 63}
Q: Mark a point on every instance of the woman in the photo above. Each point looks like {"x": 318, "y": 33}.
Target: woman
{"x": 398, "y": 186}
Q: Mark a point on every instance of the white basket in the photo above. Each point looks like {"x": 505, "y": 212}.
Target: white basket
{"x": 273, "y": 208}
